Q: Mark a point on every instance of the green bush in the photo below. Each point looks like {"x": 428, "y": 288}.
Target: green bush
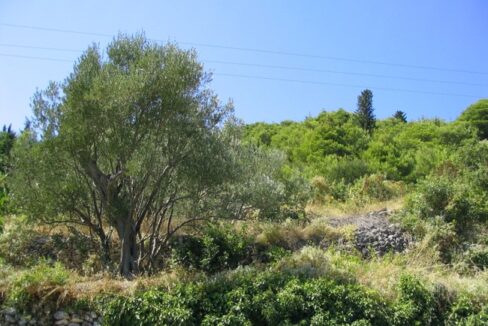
{"x": 327, "y": 191}
{"x": 478, "y": 257}
{"x": 454, "y": 200}
{"x": 24, "y": 246}
{"x": 466, "y": 311}
{"x": 30, "y": 285}
{"x": 219, "y": 248}
{"x": 249, "y": 297}
{"x": 415, "y": 304}
{"x": 344, "y": 170}
{"x": 372, "y": 188}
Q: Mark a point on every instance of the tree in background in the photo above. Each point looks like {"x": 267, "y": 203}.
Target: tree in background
{"x": 130, "y": 144}
{"x": 7, "y": 138}
{"x": 365, "y": 111}
{"x": 477, "y": 116}
{"x": 401, "y": 116}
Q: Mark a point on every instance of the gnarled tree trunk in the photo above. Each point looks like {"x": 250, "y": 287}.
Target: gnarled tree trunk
{"x": 128, "y": 254}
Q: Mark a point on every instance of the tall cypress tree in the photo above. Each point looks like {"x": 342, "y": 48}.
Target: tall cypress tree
{"x": 365, "y": 111}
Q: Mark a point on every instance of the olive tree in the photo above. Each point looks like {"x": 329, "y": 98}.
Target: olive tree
{"x": 128, "y": 146}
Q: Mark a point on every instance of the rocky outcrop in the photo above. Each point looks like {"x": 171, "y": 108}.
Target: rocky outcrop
{"x": 375, "y": 233}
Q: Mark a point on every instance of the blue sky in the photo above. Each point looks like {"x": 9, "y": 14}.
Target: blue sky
{"x": 346, "y": 45}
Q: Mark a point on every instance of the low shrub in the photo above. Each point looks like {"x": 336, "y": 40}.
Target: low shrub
{"x": 328, "y": 191}
{"x": 477, "y": 257}
{"x": 22, "y": 245}
{"x": 455, "y": 201}
{"x": 218, "y": 248}
{"x": 373, "y": 188}
{"x": 27, "y": 287}
{"x": 466, "y": 311}
{"x": 415, "y": 305}
{"x": 249, "y": 297}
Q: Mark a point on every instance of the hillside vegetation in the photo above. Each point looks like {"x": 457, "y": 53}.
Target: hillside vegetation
{"x": 135, "y": 194}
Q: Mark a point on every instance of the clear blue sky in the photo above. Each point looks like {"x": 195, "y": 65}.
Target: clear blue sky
{"x": 445, "y": 34}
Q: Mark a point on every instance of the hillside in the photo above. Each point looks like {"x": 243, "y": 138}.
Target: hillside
{"x": 135, "y": 197}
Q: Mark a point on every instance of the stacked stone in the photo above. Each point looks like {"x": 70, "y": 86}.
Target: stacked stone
{"x": 75, "y": 319}
{"x": 377, "y": 235}
{"x": 10, "y": 316}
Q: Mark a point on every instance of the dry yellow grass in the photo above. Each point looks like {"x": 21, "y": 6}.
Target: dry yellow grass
{"x": 383, "y": 273}
{"x": 347, "y": 209}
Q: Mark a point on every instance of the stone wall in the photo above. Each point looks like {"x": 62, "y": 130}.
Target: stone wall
{"x": 11, "y": 316}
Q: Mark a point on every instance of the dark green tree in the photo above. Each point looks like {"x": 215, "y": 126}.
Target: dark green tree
{"x": 365, "y": 111}
{"x": 400, "y": 115}
{"x": 7, "y": 138}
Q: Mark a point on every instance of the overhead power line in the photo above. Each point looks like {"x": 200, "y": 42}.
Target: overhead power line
{"x": 21, "y": 46}
{"x": 34, "y": 57}
{"x": 280, "y": 67}
{"x": 344, "y": 73}
{"x": 278, "y": 79}
{"x": 256, "y": 50}
{"x": 343, "y": 85}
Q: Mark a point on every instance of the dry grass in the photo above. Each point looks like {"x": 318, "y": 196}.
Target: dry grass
{"x": 383, "y": 273}
{"x": 294, "y": 235}
{"x": 348, "y": 209}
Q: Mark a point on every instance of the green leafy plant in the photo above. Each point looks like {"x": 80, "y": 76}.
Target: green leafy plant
{"x": 34, "y": 283}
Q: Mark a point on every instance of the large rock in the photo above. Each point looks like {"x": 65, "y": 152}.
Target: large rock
{"x": 59, "y": 315}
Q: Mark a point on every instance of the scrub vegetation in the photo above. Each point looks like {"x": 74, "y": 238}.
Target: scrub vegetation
{"x": 133, "y": 191}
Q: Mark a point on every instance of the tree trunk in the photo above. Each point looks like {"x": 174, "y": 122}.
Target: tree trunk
{"x": 105, "y": 248}
{"x": 128, "y": 251}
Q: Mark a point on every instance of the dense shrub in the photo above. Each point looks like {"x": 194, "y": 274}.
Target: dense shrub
{"x": 466, "y": 311}
{"x": 325, "y": 191}
{"x": 454, "y": 200}
{"x": 477, "y": 257}
{"x": 23, "y": 245}
{"x": 415, "y": 305}
{"x": 373, "y": 188}
{"x": 476, "y": 115}
{"x": 32, "y": 284}
{"x": 218, "y": 248}
{"x": 252, "y": 298}
{"x": 343, "y": 170}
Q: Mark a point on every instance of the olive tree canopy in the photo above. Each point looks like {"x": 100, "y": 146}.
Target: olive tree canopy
{"x": 130, "y": 142}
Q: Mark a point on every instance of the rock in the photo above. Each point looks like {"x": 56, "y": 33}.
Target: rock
{"x": 22, "y": 322}
{"x": 61, "y": 315}
{"x": 76, "y": 320}
{"x": 73, "y": 324}
{"x": 10, "y": 311}
{"x": 62, "y": 322}
{"x": 10, "y": 319}
{"x": 376, "y": 233}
